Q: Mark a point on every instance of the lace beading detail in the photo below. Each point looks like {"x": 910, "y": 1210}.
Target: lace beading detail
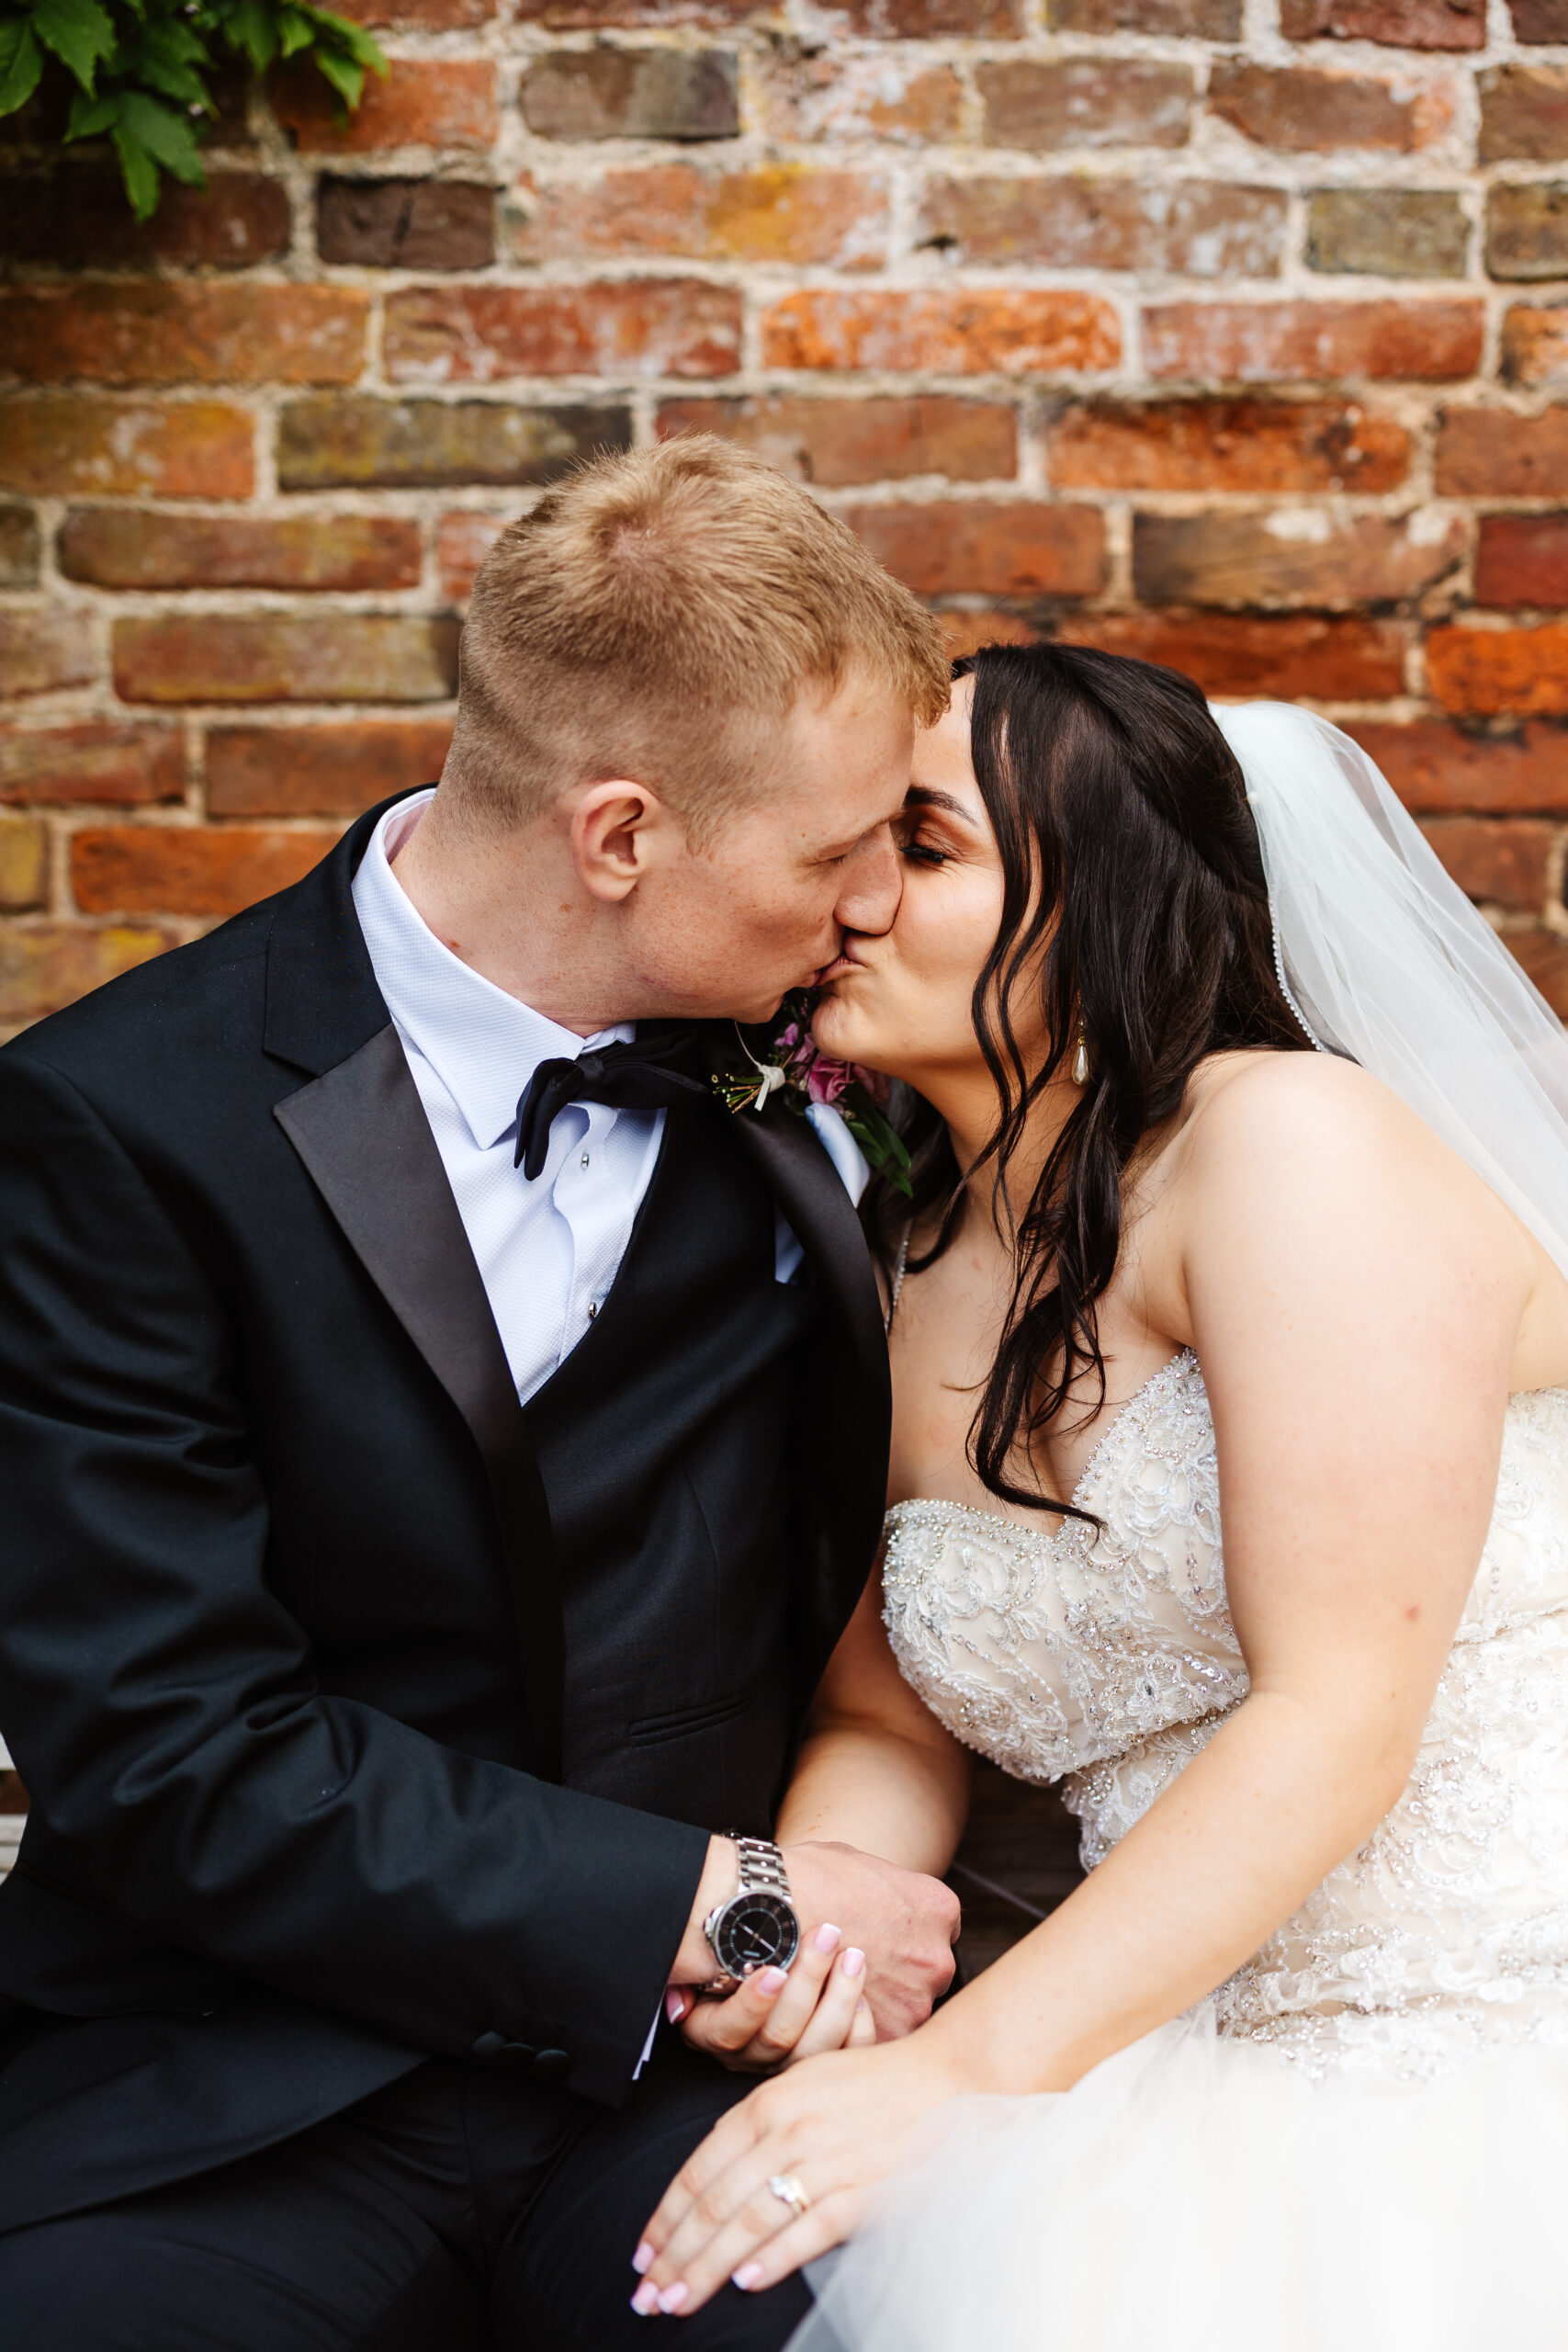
{"x": 1105, "y": 1657}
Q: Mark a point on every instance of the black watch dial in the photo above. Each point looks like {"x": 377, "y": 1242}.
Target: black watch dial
{"x": 756, "y": 1930}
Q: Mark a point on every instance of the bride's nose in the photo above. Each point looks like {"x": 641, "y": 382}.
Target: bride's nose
{"x": 872, "y": 886}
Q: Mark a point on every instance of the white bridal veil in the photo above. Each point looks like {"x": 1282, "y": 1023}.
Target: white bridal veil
{"x": 1383, "y": 958}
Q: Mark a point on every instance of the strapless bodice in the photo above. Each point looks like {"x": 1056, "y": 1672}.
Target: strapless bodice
{"x": 1104, "y": 1655}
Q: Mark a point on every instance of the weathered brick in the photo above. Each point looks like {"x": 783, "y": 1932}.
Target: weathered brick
{"x": 1202, "y": 228}
{"x": 1242, "y": 654}
{"x": 419, "y": 16}
{"x": 967, "y": 632}
{"x": 642, "y": 327}
{"x": 1527, "y": 231}
{"x": 40, "y": 651}
{"x": 285, "y": 657}
{"x": 833, "y": 443}
{"x": 67, "y": 443}
{"x": 365, "y": 443}
{"x": 1432, "y": 764}
{"x": 1309, "y": 113}
{"x": 1545, "y": 958}
{"x": 166, "y": 332}
{"x": 1397, "y": 24}
{"x": 1387, "y": 231}
{"x": 587, "y": 15}
{"x": 1086, "y": 102}
{"x": 18, "y": 548}
{"x": 406, "y": 224}
{"x": 102, "y": 760}
{"x": 1245, "y": 445}
{"x": 1262, "y": 343}
{"x": 606, "y": 93}
{"x": 781, "y": 212}
{"x": 444, "y": 102}
{"x": 126, "y": 546}
{"x": 24, "y": 863}
{"x": 1535, "y": 343}
{"x": 926, "y": 19}
{"x": 462, "y": 542}
{"x": 954, "y": 548}
{"x": 1198, "y": 19}
{"x": 335, "y": 770}
{"x": 187, "y": 869}
{"x": 1498, "y": 861}
{"x": 1522, "y": 559}
{"x": 1294, "y": 556}
{"x": 824, "y": 94}
{"x": 1491, "y": 452}
{"x": 47, "y": 964}
{"x": 1485, "y": 671}
{"x": 1524, "y": 114}
{"x": 1539, "y": 21}
{"x": 78, "y": 219}
{"x": 977, "y": 331}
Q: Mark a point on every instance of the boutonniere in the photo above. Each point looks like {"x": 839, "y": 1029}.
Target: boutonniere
{"x": 795, "y": 1070}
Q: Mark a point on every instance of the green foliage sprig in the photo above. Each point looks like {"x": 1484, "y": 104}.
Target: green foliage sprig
{"x": 142, "y": 70}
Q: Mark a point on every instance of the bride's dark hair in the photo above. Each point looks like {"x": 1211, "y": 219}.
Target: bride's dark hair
{"x": 1135, "y": 904}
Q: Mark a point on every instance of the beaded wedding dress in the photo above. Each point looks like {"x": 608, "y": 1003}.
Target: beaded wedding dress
{"x": 1362, "y": 2139}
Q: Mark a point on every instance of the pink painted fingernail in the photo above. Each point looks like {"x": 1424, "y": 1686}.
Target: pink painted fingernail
{"x": 853, "y": 1962}
{"x": 825, "y": 1938}
{"x": 642, "y": 2259}
{"x": 673, "y": 2297}
{"x": 645, "y": 2302}
{"x": 747, "y": 2276}
{"x": 771, "y": 1982}
{"x": 674, "y": 2007}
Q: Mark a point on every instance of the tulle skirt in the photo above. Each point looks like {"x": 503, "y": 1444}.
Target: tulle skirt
{"x": 1195, "y": 2194}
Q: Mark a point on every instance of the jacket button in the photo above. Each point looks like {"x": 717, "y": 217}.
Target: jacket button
{"x": 553, "y": 2065}
{"x": 490, "y": 2046}
{"x": 516, "y": 2054}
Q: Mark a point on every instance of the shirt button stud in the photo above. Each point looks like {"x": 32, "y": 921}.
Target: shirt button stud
{"x": 583, "y": 1161}
{"x": 592, "y": 1309}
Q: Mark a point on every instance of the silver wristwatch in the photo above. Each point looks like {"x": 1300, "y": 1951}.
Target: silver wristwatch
{"x": 759, "y": 1926}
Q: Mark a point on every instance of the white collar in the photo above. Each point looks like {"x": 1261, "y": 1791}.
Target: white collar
{"x": 483, "y": 1045}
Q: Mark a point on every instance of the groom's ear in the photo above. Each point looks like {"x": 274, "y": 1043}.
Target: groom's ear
{"x": 612, "y": 834}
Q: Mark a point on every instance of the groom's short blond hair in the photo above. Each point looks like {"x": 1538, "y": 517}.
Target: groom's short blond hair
{"x": 655, "y": 617}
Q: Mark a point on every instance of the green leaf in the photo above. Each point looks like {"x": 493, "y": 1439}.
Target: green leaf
{"x": 251, "y": 28}
{"x": 346, "y": 78}
{"x": 78, "y": 32}
{"x": 21, "y": 63}
{"x": 295, "y": 31}
{"x": 139, "y": 172}
{"x": 353, "y": 40}
{"x": 89, "y": 117}
{"x": 165, "y": 134}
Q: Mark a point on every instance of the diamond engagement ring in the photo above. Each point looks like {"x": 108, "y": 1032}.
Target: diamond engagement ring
{"x": 788, "y": 2191}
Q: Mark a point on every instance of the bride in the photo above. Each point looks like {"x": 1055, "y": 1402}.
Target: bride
{"x": 1229, "y": 1489}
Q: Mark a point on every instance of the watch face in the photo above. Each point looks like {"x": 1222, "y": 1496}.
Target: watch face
{"x": 756, "y": 1931}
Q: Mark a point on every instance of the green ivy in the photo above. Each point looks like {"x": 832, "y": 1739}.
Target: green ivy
{"x": 142, "y": 70}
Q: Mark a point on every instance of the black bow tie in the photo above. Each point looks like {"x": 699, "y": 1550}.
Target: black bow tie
{"x": 645, "y": 1075}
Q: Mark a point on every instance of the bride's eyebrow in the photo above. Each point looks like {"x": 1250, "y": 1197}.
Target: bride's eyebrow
{"x": 925, "y": 796}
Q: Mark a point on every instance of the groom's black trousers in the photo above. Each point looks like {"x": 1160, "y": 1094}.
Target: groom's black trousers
{"x": 450, "y": 2212}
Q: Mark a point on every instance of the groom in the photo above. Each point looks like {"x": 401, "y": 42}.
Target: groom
{"x": 441, "y": 1445}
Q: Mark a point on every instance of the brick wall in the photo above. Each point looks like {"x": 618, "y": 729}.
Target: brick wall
{"x": 1234, "y": 332}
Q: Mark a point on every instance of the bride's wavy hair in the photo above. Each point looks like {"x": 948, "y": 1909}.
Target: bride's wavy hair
{"x": 1134, "y": 907}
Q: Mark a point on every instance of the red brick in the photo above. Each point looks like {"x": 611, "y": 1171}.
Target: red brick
{"x": 604, "y": 93}
{"x": 77, "y": 218}
{"x": 21, "y": 546}
{"x": 364, "y": 443}
{"x": 171, "y": 333}
{"x": 1434, "y": 765}
{"x": 1240, "y": 653}
{"x": 1178, "y": 19}
{"x": 978, "y": 331}
{"x": 1397, "y": 24}
{"x": 44, "y": 965}
{"x": 419, "y": 16}
{"x": 65, "y": 443}
{"x": 126, "y": 546}
{"x": 1260, "y": 343}
{"x": 826, "y": 94}
{"x": 1086, "y": 102}
{"x": 335, "y": 770}
{"x": 1243, "y": 445}
{"x": 1522, "y": 559}
{"x": 187, "y": 869}
{"x": 1484, "y": 672}
{"x": 645, "y": 327}
{"x": 101, "y": 760}
{"x": 405, "y": 224}
{"x": 785, "y": 213}
{"x": 586, "y": 15}
{"x": 1545, "y": 958}
{"x": 925, "y": 19}
{"x": 1292, "y": 107}
{"x": 1491, "y": 452}
{"x": 1500, "y": 861}
{"x": 1201, "y": 228}
{"x": 963, "y": 633}
{"x": 1535, "y": 343}
{"x": 462, "y": 542}
{"x": 955, "y": 548}
{"x": 1294, "y": 557}
{"x": 40, "y": 651}
{"x": 448, "y": 103}
{"x": 24, "y": 863}
{"x": 833, "y": 443}
{"x": 285, "y": 657}
{"x": 1524, "y": 114}
{"x": 1540, "y": 20}
{"x": 1527, "y": 231}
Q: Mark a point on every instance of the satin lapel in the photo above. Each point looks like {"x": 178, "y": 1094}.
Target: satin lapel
{"x": 362, "y": 1133}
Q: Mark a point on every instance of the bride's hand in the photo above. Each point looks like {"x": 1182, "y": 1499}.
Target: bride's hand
{"x": 835, "y": 2127}
{"x": 773, "y": 2019}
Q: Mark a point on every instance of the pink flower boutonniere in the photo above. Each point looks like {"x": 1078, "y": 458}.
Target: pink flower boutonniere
{"x": 800, "y": 1076}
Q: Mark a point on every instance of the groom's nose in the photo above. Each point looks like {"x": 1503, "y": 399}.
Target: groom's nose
{"x": 873, "y": 884}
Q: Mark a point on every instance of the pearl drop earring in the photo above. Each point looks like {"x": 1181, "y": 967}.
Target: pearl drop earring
{"x": 1080, "y": 1060}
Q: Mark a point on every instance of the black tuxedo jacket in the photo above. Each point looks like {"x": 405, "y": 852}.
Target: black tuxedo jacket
{"x": 283, "y": 1658}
